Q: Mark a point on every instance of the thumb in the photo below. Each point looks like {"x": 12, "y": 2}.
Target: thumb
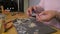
{"x": 37, "y": 17}
{"x": 42, "y": 13}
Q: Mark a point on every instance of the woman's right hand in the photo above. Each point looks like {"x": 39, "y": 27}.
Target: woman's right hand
{"x": 29, "y": 10}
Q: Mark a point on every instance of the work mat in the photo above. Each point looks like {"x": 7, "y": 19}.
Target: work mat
{"x": 31, "y": 26}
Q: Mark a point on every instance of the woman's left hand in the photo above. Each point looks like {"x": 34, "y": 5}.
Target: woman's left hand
{"x": 46, "y": 15}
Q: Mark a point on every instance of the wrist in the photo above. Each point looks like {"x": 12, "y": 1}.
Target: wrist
{"x": 58, "y": 15}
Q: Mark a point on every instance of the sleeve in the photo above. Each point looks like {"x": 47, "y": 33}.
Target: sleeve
{"x": 41, "y": 3}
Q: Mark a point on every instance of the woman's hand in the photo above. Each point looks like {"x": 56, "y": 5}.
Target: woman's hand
{"x": 46, "y": 15}
{"x": 29, "y": 10}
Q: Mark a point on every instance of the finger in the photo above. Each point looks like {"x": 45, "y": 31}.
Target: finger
{"x": 29, "y": 11}
{"x": 37, "y": 18}
{"x": 34, "y": 7}
{"x": 42, "y": 13}
{"x": 40, "y": 17}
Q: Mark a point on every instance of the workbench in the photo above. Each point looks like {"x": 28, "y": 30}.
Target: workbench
{"x": 20, "y": 15}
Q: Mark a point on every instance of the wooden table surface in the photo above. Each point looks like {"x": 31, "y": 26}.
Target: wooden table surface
{"x": 20, "y": 15}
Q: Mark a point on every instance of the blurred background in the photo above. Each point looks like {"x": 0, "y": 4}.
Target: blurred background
{"x": 18, "y": 5}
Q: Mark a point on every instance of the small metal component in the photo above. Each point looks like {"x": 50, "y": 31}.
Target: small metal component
{"x": 33, "y": 13}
